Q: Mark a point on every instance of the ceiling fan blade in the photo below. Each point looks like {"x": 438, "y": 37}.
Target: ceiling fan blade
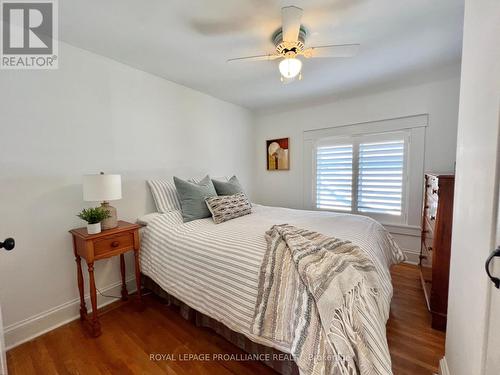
{"x": 290, "y": 18}
{"x": 268, "y": 57}
{"x": 336, "y": 50}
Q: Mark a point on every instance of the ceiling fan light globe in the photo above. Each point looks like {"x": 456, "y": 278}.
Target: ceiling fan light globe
{"x": 290, "y": 68}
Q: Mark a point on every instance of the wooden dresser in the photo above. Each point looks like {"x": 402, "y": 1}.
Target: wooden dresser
{"x": 436, "y": 244}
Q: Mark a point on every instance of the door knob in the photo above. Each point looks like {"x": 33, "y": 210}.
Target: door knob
{"x": 8, "y": 244}
{"x": 494, "y": 279}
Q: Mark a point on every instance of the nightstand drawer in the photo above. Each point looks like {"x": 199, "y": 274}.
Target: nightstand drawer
{"x": 111, "y": 244}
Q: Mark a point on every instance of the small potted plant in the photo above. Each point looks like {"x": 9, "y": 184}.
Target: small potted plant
{"x": 93, "y": 216}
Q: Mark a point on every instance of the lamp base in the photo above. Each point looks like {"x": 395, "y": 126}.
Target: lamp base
{"x": 110, "y": 222}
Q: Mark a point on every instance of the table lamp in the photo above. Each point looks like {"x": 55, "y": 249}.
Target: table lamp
{"x": 103, "y": 188}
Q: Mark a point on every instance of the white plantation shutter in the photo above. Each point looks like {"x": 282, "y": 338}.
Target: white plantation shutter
{"x": 334, "y": 177}
{"x": 363, "y": 174}
{"x": 380, "y": 179}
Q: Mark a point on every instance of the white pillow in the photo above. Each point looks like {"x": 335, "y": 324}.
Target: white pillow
{"x": 164, "y": 195}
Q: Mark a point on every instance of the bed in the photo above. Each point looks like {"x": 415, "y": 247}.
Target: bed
{"x": 214, "y": 269}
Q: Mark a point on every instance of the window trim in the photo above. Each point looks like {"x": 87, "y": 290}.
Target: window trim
{"x": 415, "y": 125}
{"x": 356, "y": 140}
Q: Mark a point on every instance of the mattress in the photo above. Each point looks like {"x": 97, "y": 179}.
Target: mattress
{"x": 214, "y": 268}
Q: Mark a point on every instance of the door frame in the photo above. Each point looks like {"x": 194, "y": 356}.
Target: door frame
{"x": 472, "y": 302}
{"x": 492, "y": 355}
{"x": 3, "y": 357}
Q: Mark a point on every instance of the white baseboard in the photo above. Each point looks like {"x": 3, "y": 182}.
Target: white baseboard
{"x": 28, "y": 329}
{"x": 408, "y": 239}
{"x": 412, "y": 256}
{"x": 443, "y": 367}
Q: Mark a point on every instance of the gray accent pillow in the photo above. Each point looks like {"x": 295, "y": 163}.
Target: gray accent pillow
{"x": 230, "y": 187}
{"x": 192, "y": 197}
{"x": 227, "y": 207}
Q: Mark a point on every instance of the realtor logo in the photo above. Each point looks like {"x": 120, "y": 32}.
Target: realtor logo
{"x": 29, "y": 34}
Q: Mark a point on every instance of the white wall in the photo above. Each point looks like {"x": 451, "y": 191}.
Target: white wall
{"x": 476, "y": 194}
{"x": 91, "y": 115}
{"x": 439, "y": 99}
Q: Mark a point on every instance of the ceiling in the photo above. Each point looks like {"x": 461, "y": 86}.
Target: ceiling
{"x": 189, "y": 41}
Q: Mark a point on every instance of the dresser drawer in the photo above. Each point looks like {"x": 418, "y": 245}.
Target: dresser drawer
{"x": 428, "y": 236}
{"x": 425, "y": 256}
{"x": 432, "y": 186}
{"x": 428, "y": 230}
{"x": 430, "y": 217}
{"x": 428, "y": 243}
{"x": 109, "y": 245}
{"x": 431, "y": 199}
{"x": 430, "y": 224}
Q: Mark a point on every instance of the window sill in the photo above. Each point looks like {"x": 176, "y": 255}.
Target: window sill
{"x": 405, "y": 229}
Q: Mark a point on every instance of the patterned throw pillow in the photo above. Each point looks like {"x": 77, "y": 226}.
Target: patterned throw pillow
{"x": 227, "y": 207}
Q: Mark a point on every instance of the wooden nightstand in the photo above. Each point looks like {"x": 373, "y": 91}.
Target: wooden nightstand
{"x": 106, "y": 244}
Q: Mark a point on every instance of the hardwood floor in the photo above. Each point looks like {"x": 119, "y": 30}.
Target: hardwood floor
{"x": 415, "y": 346}
{"x": 130, "y": 336}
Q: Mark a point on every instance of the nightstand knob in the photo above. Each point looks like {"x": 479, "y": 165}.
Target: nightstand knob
{"x": 115, "y": 244}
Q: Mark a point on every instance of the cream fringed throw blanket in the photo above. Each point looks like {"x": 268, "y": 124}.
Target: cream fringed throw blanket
{"x": 319, "y": 296}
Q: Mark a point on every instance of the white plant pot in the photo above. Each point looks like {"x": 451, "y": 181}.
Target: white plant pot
{"x": 94, "y": 228}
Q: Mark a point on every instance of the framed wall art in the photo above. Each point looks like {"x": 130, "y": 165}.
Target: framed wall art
{"x": 278, "y": 154}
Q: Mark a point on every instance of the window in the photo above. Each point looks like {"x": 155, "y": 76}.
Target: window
{"x": 372, "y": 168}
{"x": 363, "y": 174}
{"x": 334, "y": 177}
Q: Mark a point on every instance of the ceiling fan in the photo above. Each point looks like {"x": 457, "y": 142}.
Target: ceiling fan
{"x": 290, "y": 43}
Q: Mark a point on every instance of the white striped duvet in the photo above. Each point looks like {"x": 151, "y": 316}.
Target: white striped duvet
{"x": 214, "y": 268}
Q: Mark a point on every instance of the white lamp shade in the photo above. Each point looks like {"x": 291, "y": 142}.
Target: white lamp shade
{"x": 102, "y": 187}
